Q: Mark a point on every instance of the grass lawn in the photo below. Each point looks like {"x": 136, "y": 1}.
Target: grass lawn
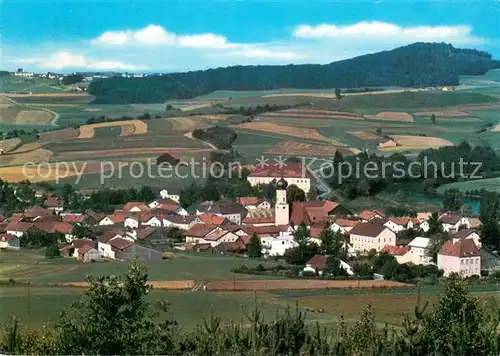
{"x": 491, "y": 184}
{"x": 29, "y": 264}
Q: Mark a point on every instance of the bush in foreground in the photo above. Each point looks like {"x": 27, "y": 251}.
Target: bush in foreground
{"x": 114, "y": 318}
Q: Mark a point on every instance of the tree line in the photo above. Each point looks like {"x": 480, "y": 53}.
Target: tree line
{"x": 114, "y": 317}
{"x": 416, "y": 65}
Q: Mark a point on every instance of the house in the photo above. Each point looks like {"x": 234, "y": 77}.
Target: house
{"x": 214, "y": 235}
{"x": 238, "y": 246}
{"x": 136, "y": 207}
{"x": 54, "y": 204}
{"x": 419, "y": 251}
{"x": 226, "y": 208}
{"x": 142, "y": 253}
{"x": 398, "y": 224}
{"x": 344, "y": 225}
{"x": 10, "y": 242}
{"x": 88, "y": 254}
{"x": 310, "y": 212}
{"x": 92, "y": 218}
{"x": 116, "y": 218}
{"x": 452, "y": 222}
{"x": 269, "y": 231}
{"x": 371, "y": 235}
{"x": 73, "y": 249}
{"x": 369, "y": 215}
{"x": 171, "y": 193}
{"x": 462, "y": 257}
{"x": 104, "y": 244}
{"x": 259, "y": 217}
{"x": 317, "y": 264}
{"x": 423, "y": 216}
{"x": 292, "y": 172}
{"x": 197, "y": 232}
{"x": 156, "y": 238}
{"x": 167, "y": 159}
{"x": 387, "y": 142}
{"x": 118, "y": 245}
{"x": 399, "y": 252}
{"x": 251, "y": 203}
{"x": 135, "y": 220}
{"x": 19, "y": 228}
{"x": 168, "y": 205}
{"x": 183, "y": 222}
{"x": 277, "y": 246}
{"x": 468, "y": 234}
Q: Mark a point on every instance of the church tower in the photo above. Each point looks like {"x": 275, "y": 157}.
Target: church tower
{"x": 281, "y": 210}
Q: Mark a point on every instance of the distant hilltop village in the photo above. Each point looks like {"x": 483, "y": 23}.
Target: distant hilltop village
{"x": 86, "y": 76}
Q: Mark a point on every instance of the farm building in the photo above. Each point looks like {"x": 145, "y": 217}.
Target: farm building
{"x": 143, "y": 253}
{"x": 88, "y": 254}
{"x": 311, "y": 212}
{"x": 387, "y": 142}
{"x": 167, "y": 159}
{"x": 292, "y": 172}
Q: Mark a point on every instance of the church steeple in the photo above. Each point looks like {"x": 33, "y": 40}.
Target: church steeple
{"x": 281, "y": 209}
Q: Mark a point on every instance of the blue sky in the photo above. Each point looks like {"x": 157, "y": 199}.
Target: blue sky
{"x": 133, "y": 35}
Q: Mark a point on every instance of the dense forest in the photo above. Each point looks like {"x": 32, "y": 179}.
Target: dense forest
{"x": 416, "y": 65}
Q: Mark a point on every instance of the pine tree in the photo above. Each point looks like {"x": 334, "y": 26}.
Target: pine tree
{"x": 489, "y": 215}
{"x": 254, "y": 248}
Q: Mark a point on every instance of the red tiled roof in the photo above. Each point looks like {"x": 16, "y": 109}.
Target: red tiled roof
{"x": 399, "y": 220}
{"x": 257, "y": 220}
{"x": 120, "y": 243}
{"x": 213, "y": 219}
{"x": 73, "y": 218}
{"x": 245, "y": 239}
{"x": 82, "y": 251}
{"x": 462, "y": 234}
{"x": 62, "y": 227}
{"x": 119, "y": 216}
{"x": 215, "y": 235}
{"x": 395, "y": 250}
{"x": 79, "y": 243}
{"x": 310, "y": 211}
{"x": 369, "y": 229}
{"x": 461, "y": 248}
{"x": 53, "y": 203}
{"x": 19, "y": 226}
{"x": 367, "y": 214}
{"x": 451, "y": 219}
{"x": 317, "y": 262}
{"x": 143, "y": 233}
{"x": 180, "y": 219}
{"x": 291, "y": 170}
{"x": 248, "y": 200}
{"x": 346, "y": 222}
{"x": 199, "y": 230}
{"x": 266, "y": 230}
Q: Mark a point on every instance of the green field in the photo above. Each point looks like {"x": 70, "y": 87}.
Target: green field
{"x": 13, "y": 84}
{"x": 32, "y": 265}
{"x": 491, "y": 184}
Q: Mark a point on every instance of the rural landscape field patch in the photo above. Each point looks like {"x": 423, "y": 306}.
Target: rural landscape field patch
{"x": 9, "y": 144}
{"x": 39, "y": 117}
{"x": 295, "y": 148}
{"x": 365, "y": 135}
{"x": 443, "y": 113}
{"x": 286, "y": 130}
{"x": 187, "y": 124}
{"x": 35, "y": 156}
{"x": 416, "y": 142}
{"x": 314, "y": 114}
{"x": 392, "y": 116}
{"x": 75, "y": 155}
{"x": 88, "y": 131}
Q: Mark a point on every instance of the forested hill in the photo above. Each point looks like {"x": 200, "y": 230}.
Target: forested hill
{"x": 416, "y": 65}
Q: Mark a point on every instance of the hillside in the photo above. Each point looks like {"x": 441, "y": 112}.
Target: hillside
{"x": 416, "y": 65}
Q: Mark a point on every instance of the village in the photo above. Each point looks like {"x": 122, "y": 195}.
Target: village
{"x": 147, "y": 231}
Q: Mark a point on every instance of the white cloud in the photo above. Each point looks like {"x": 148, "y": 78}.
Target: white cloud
{"x": 154, "y": 35}
{"x": 384, "y": 30}
{"x": 62, "y": 60}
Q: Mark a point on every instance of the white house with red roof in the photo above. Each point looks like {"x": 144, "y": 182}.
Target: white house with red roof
{"x": 398, "y": 224}
{"x": 461, "y": 256}
{"x": 293, "y": 172}
{"x": 468, "y": 234}
{"x": 369, "y": 215}
{"x": 451, "y": 222}
{"x": 372, "y": 235}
